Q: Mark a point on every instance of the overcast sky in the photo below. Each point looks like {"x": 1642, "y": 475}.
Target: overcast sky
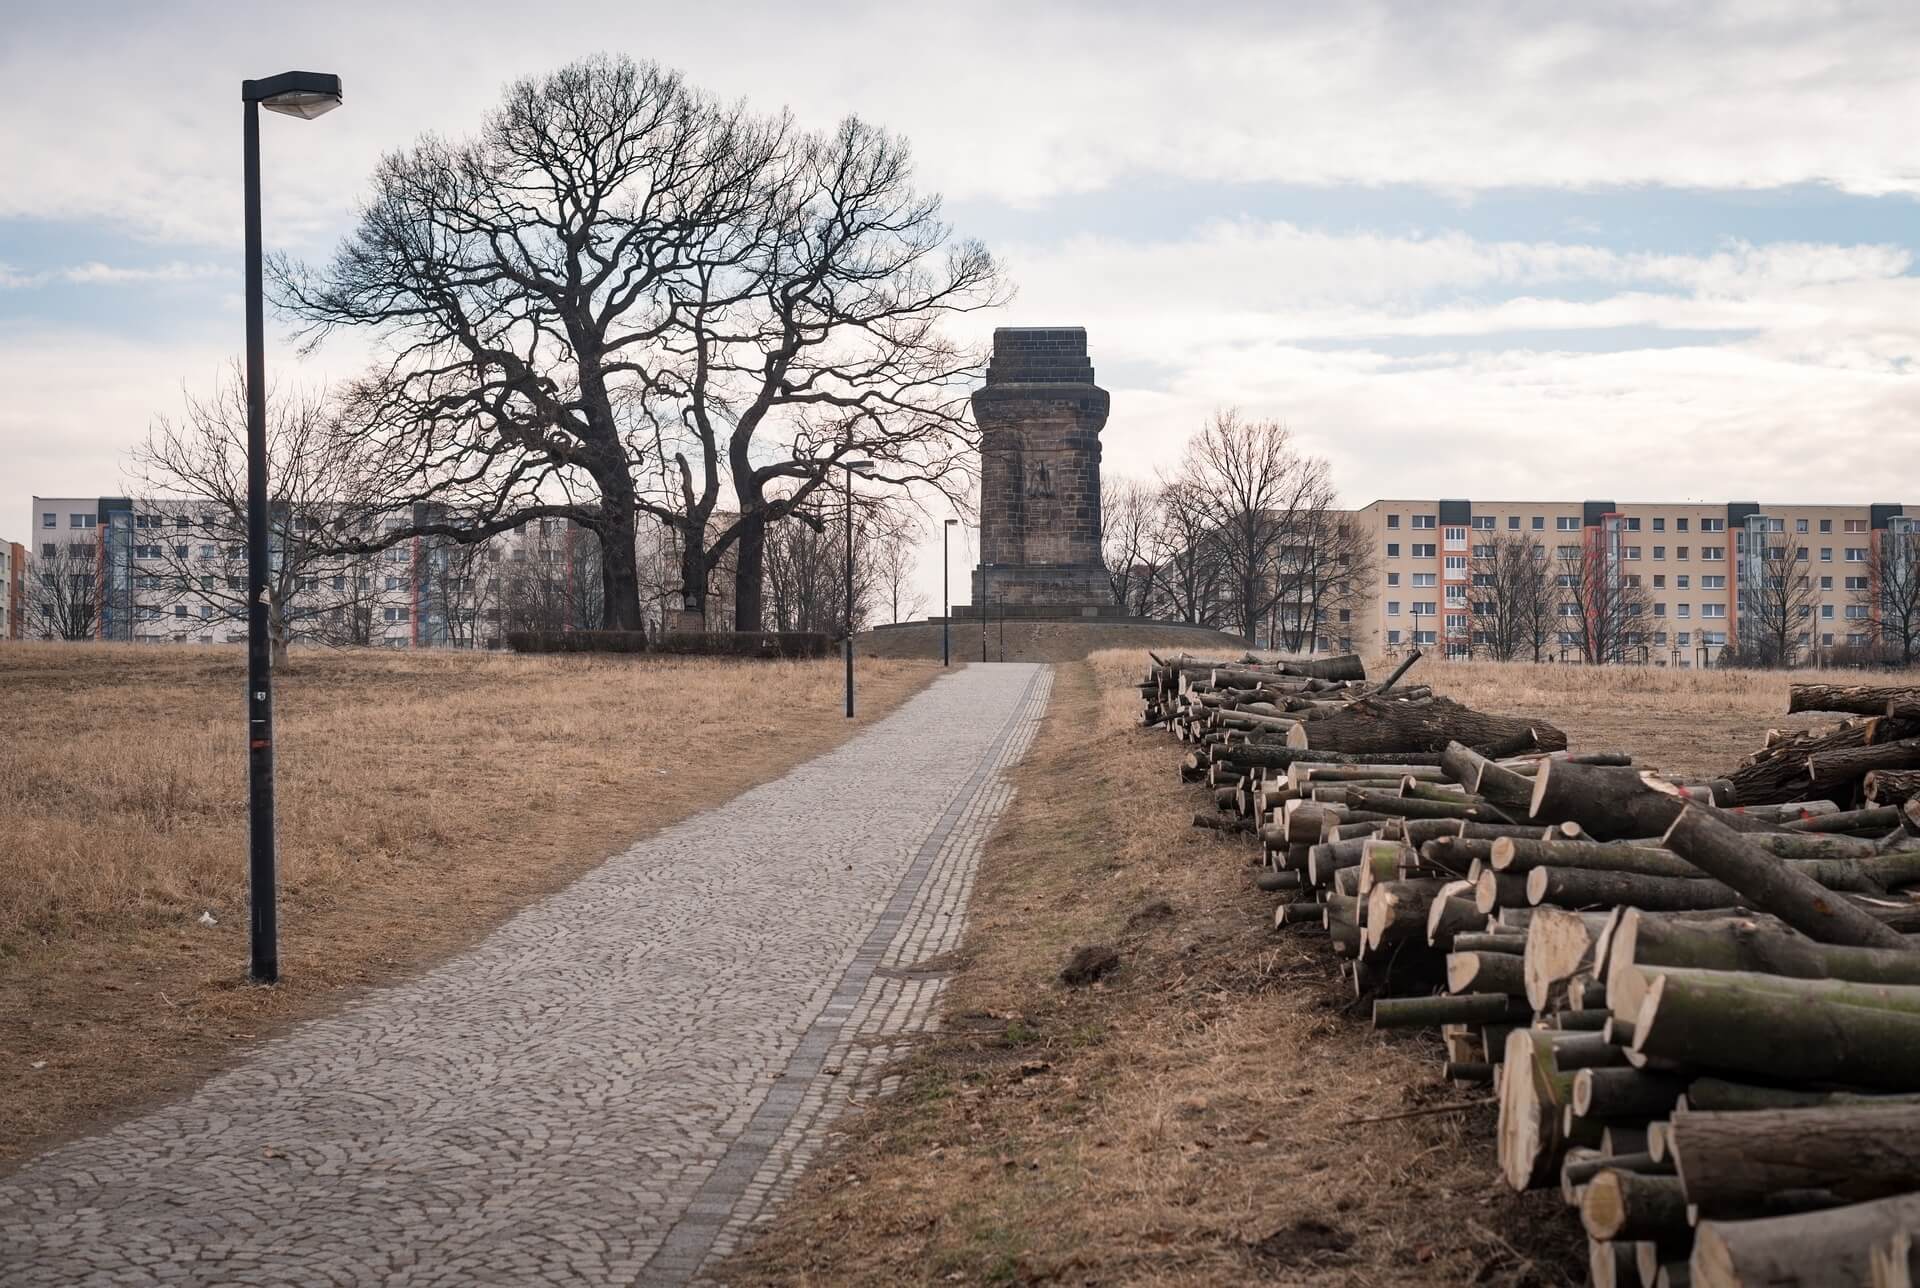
{"x": 1661, "y": 253}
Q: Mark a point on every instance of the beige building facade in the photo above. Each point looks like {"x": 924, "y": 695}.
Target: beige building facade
{"x": 1679, "y": 567}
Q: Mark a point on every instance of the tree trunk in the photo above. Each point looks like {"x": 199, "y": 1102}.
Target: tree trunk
{"x": 1612, "y": 801}
{"x": 1779, "y": 771}
{"x": 694, "y": 568}
{"x": 1891, "y": 786}
{"x": 1748, "y": 944}
{"x": 1732, "y": 1162}
{"x": 1774, "y": 887}
{"x": 749, "y": 571}
{"x": 1623, "y": 1205}
{"x": 1462, "y": 1008}
{"x": 1423, "y": 726}
{"x": 1514, "y": 854}
{"x": 1854, "y": 699}
{"x": 1625, "y": 1093}
{"x": 619, "y": 561}
{"x": 1830, "y": 1248}
{"x": 1588, "y": 888}
{"x": 1863, "y": 1035}
{"x": 1485, "y": 973}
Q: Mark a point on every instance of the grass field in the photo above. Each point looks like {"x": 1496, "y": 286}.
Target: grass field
{"x": 422, "y": 798}
{"x": 1192, "y": 1119}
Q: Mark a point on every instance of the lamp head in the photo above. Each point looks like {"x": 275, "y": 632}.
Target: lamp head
{"x": 858, "y": 467}
{"x": 302, "y": 94}
{"x": 953, "y": 523}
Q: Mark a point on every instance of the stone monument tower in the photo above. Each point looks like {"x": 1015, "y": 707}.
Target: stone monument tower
{"x": 1040, "y": 416}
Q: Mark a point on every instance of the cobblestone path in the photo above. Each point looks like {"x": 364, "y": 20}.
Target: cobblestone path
{"x": 613, "y": 1088}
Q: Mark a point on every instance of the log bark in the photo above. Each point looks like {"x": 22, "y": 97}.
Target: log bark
{"x": 1779, "y": 772}
{"x": 1613, "y": 802}
{"x": 1514, "y": 855}
{"x": 1831, "y": 1248}
{"x": 1793, "y": 1030}
{"x": 1496, "y": 890}
{"x": 1463, "y": 1008}
{"x": 1373, "y": 724}
{"x": 1620, "y": 1204}
{"x": 1723, "y": 1095}
{"x": 1854, "y": 699}
{"x": 1732, "y": 1162}
{"x": 1587, "y": 888}
{"x": 1891, "y": 786}
{"x": 1483, "y": 777}
{"x": 1612, "y": 1092}
{"x": 1875, "y": 820}
{"x": 1485, "y": 973}
{"x": 1397, "y": 911}
{"x": 1748, "y": 944}
{"x": 1774, "y": 887}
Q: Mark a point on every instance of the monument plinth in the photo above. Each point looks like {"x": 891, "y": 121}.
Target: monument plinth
{"x": 1040, "y": 416}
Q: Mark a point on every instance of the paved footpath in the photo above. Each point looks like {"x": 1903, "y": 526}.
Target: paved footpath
{"x": 614, "y": 1088}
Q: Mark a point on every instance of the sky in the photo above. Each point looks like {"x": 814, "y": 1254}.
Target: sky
{"x": 1632, "y": 251}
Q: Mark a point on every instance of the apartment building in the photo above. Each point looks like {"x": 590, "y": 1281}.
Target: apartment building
{"x": 13, "y": 572}
{"x": 174, "y": 571}
{"x": 1684, "y": 572}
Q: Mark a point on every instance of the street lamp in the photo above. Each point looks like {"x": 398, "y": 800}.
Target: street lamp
{"x": 946, "y": 597}
{"x": 305, "y": 95}
{"x": 852, "y": 468}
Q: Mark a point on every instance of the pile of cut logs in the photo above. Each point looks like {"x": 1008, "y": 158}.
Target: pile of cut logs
{"x": 1697, "y": 1002}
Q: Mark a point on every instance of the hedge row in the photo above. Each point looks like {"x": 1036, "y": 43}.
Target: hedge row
{"x": 761, "y": 644}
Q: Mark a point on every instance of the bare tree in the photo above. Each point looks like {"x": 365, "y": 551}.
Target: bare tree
{"x": 190, "y": 536}
{"x": 894, "y": 567}
{"x": 1776, "y": 602}
{"x": 1251, "y": 483}
{"x": 621, "y": 294}
{"x": 806, "y": 566}
{"x": 63, "y": 591}
{"x": 1598, "y": 604}
{"x": 1129, "y": 516}
{"x": 1891, "y": 598}
{"x": 1512, "y": 596}
{"x": 1319, "y": 573}
{"x": 1190, "y": 574}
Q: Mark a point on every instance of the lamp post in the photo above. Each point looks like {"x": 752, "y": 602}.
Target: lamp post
{"x": 852, "y": 468}
{"x": 946, "y": 597}
{"x": 983, "y": 595}
{"x": 305, "y": 95}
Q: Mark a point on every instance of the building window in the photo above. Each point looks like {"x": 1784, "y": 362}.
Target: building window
{"x": 393, "y": 583}
{"x": 1713, "y": 552}
{"x": 1424, "y": 578}
{"x": 1484, "y": 522}
{"x": 1456, "y": 563}
{"x": 1393, "y": 637}
{"x": 1659, "y": 609}
{"x": 1683, "y": 611}
{"x": 1659, "y": 525}
{"x": 1713, "y": 525}
{"x": 1826, "y": 612}
{"x": 1513, "y": 523}
{"x": 393, "y": 614}
{"x": 1633, "y": 552}
{"x": 1826, "y": 554}
{"x": 1425, "y": 608}
{"x": 1393, "y": 550}
{"x": 179, "y": 610}
{"x": 1713, "y": 581}
{"x": 1659, "y": 552}
{"x": 1826, "y": 525}
{"x": 1659, "y": 581}
{"x": 1799, "y": 525}
{"x": 49, "y": 520}
{"x": 1393, "y": 520}
{"x": 1539, "y": 523}
{"x": 1393, "y": 579}
{"x": 1856, "y": 554}
{"x": 1424, "y": 521}
{"x": 1856, "y": 525}
{"x": 1567, "y": 523}
{"x": 1713, "y": 610}
{"x": 1393, "y": 608}
{"x": 1423, "y": 551}
{"x": 1633, "y": 524}
{"x": 1856, "y": 612}
{"x": 1456, "y": 621}
{"x": 1853, "y": 583}
{"x": 1679, "y": 525}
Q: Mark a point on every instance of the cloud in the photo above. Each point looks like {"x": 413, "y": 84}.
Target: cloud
{"x": 94, "y": 273}
{"x": 1083, "y": 98}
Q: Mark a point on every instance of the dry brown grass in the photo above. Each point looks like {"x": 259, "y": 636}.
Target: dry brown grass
{"x": 1057, "y": 641}
{"x": 422, "y": 798}
{"x": 1179, "y": 1123}
{"x": 1685, "y": 722}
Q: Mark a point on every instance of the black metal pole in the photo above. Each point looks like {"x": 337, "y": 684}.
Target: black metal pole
{"x": 263, "y": 920}
{"x": 1003, "y": 625}
{"x": 983, "y": 597}
{"x": 946, "y": 601}
{"x": 849, "y": 594}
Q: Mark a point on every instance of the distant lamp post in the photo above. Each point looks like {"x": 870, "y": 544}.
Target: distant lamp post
{"x": 862, "y": 468}
{"x": 946, "y": 597}
{"x": 305, "y": 95}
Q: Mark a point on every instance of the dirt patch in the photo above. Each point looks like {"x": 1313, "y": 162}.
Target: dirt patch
{"x": 424, "y": 797}
{"x": 1179, "y": 1122}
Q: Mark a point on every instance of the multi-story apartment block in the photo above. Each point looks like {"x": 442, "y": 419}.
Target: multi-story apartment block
{"x": 13, "y": 573}
{"x": 1683, "y": 575}
{"x": 172, "y": 570}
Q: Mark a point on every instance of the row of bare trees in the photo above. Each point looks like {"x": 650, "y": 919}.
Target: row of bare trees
{"x": 1243, "y": 535}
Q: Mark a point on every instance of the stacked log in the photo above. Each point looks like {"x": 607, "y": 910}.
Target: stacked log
{"x": 1697, "y": 1002}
